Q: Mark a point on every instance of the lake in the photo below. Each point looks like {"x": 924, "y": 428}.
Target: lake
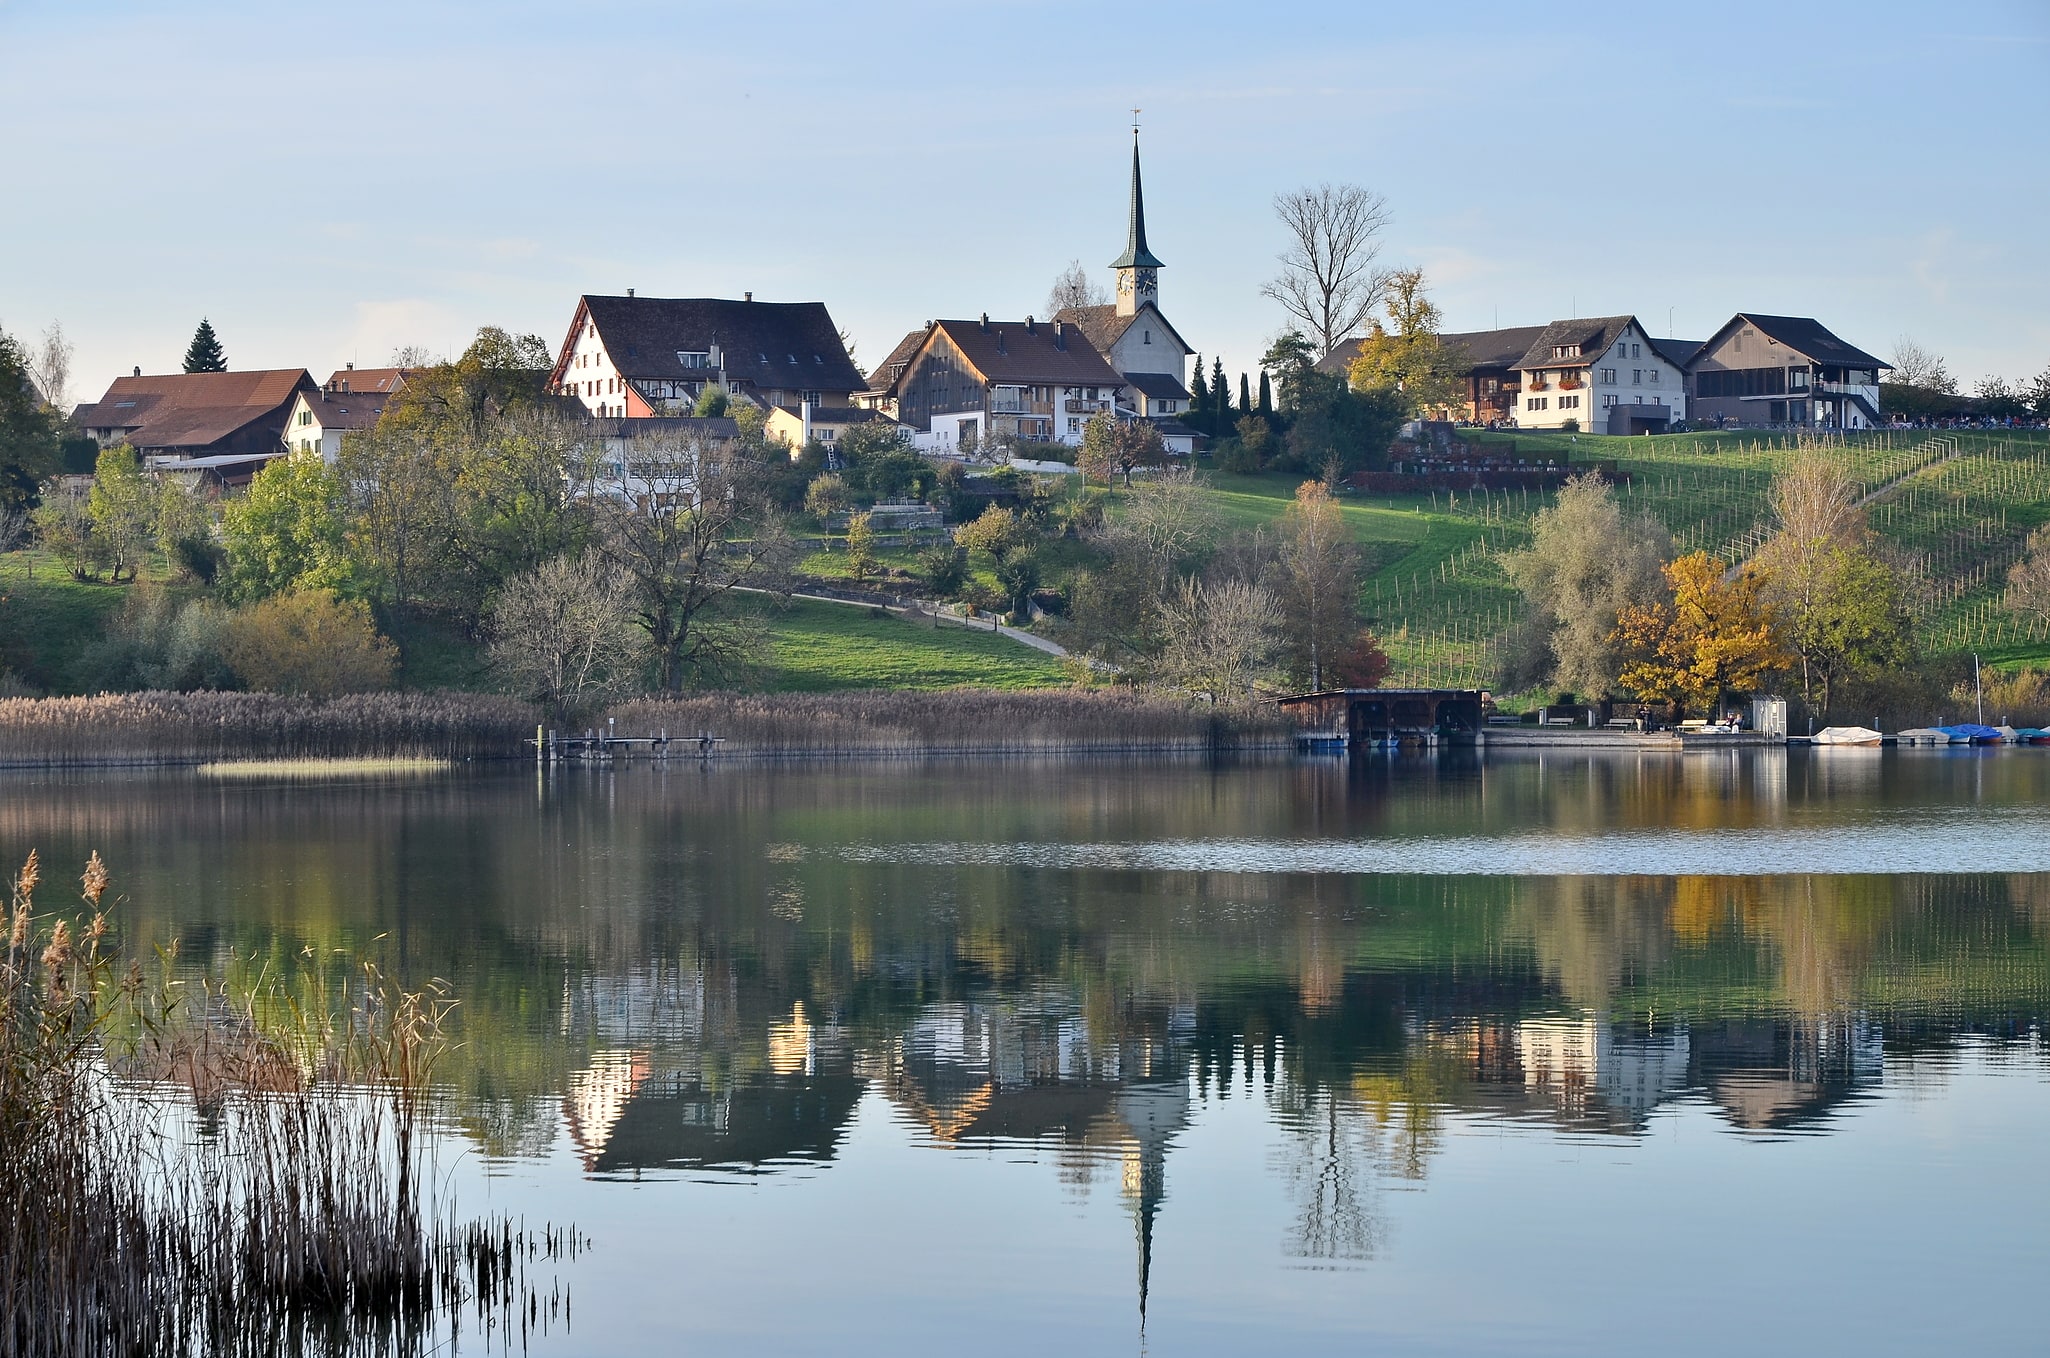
{"x": 1561, "y": 1053}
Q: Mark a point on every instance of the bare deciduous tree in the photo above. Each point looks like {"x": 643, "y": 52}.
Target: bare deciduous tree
{"x": 411, "y": 356}
{"x": 563, "y": 633}
{"x": 1328, "y": 281}
{"x": 1916, "y": 366}
{"x": 50, "y": 367}
{"x": 1316, "y": 572}
{"x": 1165, "y": 521}
{"x": 1220, "y": 637}
{"x": 1073, "y": 287}
{"x": 2028, "y": 580}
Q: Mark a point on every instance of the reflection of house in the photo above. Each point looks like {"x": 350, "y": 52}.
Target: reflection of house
{"x": 1784, "y": 370}
{"x": 1585, "y": 1065}
{"x": 638, "y": 356}
{"x": 1768, "y": 1073}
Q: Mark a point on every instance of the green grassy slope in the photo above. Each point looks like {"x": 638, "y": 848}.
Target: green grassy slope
{"x": 819, "y": 647}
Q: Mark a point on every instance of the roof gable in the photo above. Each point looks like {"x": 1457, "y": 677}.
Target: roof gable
{"x": 767, "y": 344}
{"x": 1592, "y": 335}
{"x": 1105, "y": 327}
{"x": 175, "y": 410}
{"x": 1804, "y": 335}
{"x": 1013, "y": 352}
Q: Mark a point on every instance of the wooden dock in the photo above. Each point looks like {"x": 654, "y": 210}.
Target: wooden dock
{"x": 593, "y": 746}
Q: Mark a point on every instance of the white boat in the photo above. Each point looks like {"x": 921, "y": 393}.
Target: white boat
{"x": 1923, "y": 735}
{"x": 1847, "y": 735}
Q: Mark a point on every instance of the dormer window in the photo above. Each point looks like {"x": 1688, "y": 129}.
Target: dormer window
{"x": 1565, "y": 351}
{"x": 791, "y": 357}
{"x": 694, "y": 358}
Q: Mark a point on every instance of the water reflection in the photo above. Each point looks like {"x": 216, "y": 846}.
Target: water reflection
{"x": 690, "y": 973}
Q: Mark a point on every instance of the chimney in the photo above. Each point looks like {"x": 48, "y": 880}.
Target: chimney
{"x": 747, "y": 297}
{"x": 1000, "y": 341}
{"x": 1060, "y": 334}
{"x": 138, "y": 370}
{"x": 629, "y": 292}
{"x": 1028, "y": 326}
{"x": 804, "y": 414}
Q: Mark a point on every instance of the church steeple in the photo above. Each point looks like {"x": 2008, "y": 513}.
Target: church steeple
{"x": 1137, "y": 270}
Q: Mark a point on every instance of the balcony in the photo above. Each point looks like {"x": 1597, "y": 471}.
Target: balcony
{"x": 1010, "y": 405}
{"x": 1081, "y": 406}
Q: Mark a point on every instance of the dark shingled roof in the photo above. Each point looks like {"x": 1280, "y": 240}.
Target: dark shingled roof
{"x": 1158, "y": 386}
{"x": 1677, "y": 352}
{"x": 1808, "y": 336}
{"x": 345, "y": 410}
{"x": 768, "y": 344}
{"x": 1005, "y": 351}
{"x": 1485, "y": 348}
{"x": 1592, "y": 333}
{"x": 678, "y": 426}
{"x": 189, "y": 411}
{"x": 1105, "y": 327}
{"x": 890, "y": 369}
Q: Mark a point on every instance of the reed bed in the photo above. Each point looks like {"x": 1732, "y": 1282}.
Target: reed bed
{"x": 183, "y": 1174}
{"x": 188, "y": 728}
{"x": 952, "y": 721}
{"x": 325, "y": 768}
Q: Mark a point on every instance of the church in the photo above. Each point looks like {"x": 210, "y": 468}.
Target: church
{"x": 959, "y": 382}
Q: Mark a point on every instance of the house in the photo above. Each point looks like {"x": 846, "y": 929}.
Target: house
{"x": 646, "y": 460}
{"x": 1784, "y": 370}
{"x": 795, "y": 426}
{"x": 1134, "y": 336}
{"x": 228, "y": 418}
{"x": 636, "y": 357}
{"x": 1487, "y": 360}
{"x": 972, "y": 379}
{"x": 348, "y": 401}
{"x": 1604, "y": 375}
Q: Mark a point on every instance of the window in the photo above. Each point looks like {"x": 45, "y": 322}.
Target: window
{"x": 1149, "y": 337}
{"x": 306, "y": 417}
{"x": 694, "y": 358}
{"x": 1637, "y": 351}
{"x": 1797, "y": 379}
{"x": 1167, "y": 407}
{"x": 1565, "y": 351}
{"x": 1654, "y": 376}
{"x": 1074, "y": 424}
{"x": 1609, "y": 375}
{"x": 1609, "y": 399}
{"x": 1776, "y": 411}
{"x": 1637, "y": 377}
{"x": 1569, "y": 403}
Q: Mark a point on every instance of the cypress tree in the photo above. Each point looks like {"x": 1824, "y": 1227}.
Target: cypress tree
{"x": 1266, "y": 395}
{"x": 205, "y": 355}
{"x": 1245, "y": 397}
{"x": 1220, "y": 392}
{"x": 1199, "y": 396}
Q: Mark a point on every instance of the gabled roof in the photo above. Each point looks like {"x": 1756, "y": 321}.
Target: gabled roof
{"x": 1484, "y": 348}
{"x": 1158, "y": 386}
{"x": 188, "y": 410}
{"x": 1592, "y": 333}
{"x": 767, "y": 344}
{"x": 891, "y": 368}
{"x": 838, "y": 414}
{"x": 1007, "y": 352}
{"x": 344, "y": 410}
{"x": 1677, "y": 352}
{"x": 1105, "y": 327}
{"x": 380, "y": 381}
{"x": 672, "y": 426}
{"x": 1805, "y": 336}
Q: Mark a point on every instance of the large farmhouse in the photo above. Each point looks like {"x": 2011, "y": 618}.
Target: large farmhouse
{"x": 964, "y": 381}
{"x": 224, "y": 418}
{"x": 638, "y": 357}
{"x": 1762, "y": 369}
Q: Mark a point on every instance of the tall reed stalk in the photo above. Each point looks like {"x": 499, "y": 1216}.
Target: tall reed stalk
{"x": 182, "y": 1172}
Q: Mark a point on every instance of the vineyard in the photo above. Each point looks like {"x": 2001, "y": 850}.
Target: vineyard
{"x": 1957, "y": 507}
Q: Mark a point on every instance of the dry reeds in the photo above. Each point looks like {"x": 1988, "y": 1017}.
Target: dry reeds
{"x": 323, "y": 768}
{"x": 183, "y": 1174}
{"x": 953, "y": 721}
{"x": 180, "y": 728}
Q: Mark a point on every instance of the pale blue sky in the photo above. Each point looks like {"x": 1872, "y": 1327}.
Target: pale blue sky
{"x": 327, "y": 182}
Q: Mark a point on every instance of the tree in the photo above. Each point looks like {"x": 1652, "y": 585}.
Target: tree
{"x": 1166, "y": 522}
{"x": 2000, "y": 399}
{"x": 289, "y": 531}
{"x": 310, "y": 642}
{"x": 29, "y": 445}
{"x": 1009, "y": 542}
{"x": 1713, "y": 634}
{"x": 204, "y": 354}
{"x": 1586, "y": 566}
{"x": 1363, "y": 664}
{"x": 1073, "y": 287}
{"x": 50, "y": 365}
{"x": 861, "y": 547}
{"x": 1317, "y": 583}
{"x": 1245, "y": 396}
{"x": 562, "y": 633}
{"x": 1328, "y": 282}
{"x": 403, "y": 507}
{"x": 1916, "y": 366}
{"x": 1220, "y": 637}
{"x": 123, "y": 508}
{"x": 698, "y": 534}
{"x": 64, "y": 528}
{"x": 1097, "y": 457}
{"x": 1199, "y": 394}
{"x": 185, "y": 532}
{"x": 1266, "y": 395}
{"x": 2028, "y": 580}
{"x": 1330, "y": 423}
{"x": 1220, "y": 397}
{"x": 711, "y": 403}
{"x": 943, "y": 569}
{"x": 2038, "y": 394}
{"x": 1406, "y": 356}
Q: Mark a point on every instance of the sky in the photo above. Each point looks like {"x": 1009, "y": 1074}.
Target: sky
{"x": 326, "y": 183}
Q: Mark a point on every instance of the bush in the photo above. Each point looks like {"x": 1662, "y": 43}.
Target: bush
{"x": 309, "y": 642}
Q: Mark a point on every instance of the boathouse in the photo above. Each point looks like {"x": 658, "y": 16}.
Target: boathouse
{"x": 1365, "y": 715}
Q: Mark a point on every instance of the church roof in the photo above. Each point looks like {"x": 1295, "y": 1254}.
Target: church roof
{"x": 1136, "y": 255}
{"x": 1105, "y": 327}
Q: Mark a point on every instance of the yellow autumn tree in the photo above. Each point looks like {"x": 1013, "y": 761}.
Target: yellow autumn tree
{"x": 1715, "y": 634}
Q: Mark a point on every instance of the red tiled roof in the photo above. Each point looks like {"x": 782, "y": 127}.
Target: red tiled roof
{"x": 190, "y": 411}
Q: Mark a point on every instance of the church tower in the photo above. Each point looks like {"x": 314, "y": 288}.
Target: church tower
{"x": 1137, "y": 270}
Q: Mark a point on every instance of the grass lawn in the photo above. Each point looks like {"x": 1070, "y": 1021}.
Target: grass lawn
{"x": 49, "y": 622}
{"x": 818, "y": 647}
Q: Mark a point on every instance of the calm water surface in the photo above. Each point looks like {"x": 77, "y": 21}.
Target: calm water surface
{"x": 1547, "y": 1055}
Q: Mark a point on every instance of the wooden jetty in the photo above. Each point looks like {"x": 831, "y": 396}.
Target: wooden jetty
{"x": 555, "y": 747}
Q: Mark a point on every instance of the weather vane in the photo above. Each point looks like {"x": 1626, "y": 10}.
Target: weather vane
{"x": 1135, "y": 120}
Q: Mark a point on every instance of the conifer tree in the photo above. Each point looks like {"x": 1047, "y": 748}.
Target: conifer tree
{"x": 1245, "y": 397}
{"x": 1199, "y": 395}
{"x": 1266, "y": 395}
{"x": 1220, "y": 393}
{"x": 205, "y": 355}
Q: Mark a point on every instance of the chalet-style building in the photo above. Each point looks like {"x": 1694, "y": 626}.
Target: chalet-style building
{"x": 1132, "y": 334}
{"x": 351, "y": 400}
{"x": 227, "y": 418}
{"x": 971, "y": 379}
{"x": 637, "y": 357}
{"x": 1604, "y": 375}
{"x": 1784, "y": 370}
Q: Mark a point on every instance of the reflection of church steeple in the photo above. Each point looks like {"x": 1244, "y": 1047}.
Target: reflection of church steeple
{"x": 1153, "y": 1113}
{"x": 1137, "y": 270}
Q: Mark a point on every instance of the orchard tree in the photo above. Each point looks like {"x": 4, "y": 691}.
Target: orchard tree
{"x": 123, "y": 507}
{"x": 289, "y": 531}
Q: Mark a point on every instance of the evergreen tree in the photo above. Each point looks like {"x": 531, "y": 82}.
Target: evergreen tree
{"x": 1245, "y": 396}
{"x": 1220, "y": 394}
{"x": 1199, "y": 398}
{"x": 1266, "y": 395}
{"x": 205, "y": 355}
